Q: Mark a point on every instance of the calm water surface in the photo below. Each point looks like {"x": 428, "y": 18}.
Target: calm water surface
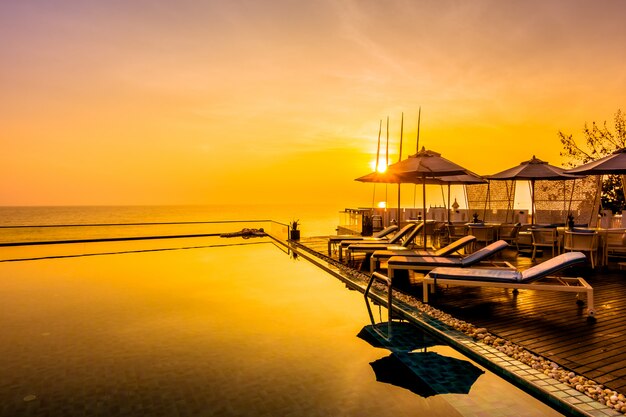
{"x": 210, "y": 330}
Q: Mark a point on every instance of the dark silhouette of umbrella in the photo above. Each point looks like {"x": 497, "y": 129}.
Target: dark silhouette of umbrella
{"x": 391, "y": 177}
{"x": 611, "y": 164}
{"x": 422, "y": 166}
{"x": 427, "y": 373}
{"x": 406, "y": 337}
{"x": 532, "y": 170}
{"x": 404, "y": 178}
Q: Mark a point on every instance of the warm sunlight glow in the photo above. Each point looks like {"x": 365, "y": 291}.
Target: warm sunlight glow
{"x": 381, "y": 165}
{"x": 382, "y": 204}
{"x": 285, "y": 101}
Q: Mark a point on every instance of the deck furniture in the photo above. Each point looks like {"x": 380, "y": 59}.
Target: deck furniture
{"x": 428, "y": 263}
{"x": 448, "y": 250}
{"x": 370, "y": 247}
{"x": 395, "y": 239}
{"x": 537, "y": 277}
{"x": 333, "y": 241}
{"x": 484, "y": 235}
{"x": 613, "y": 243}
{"x": 509, "y": 233}
{"x": 456, "y": 231}
{"x": 545, "y": 238}
{"x": 582, "y": 242}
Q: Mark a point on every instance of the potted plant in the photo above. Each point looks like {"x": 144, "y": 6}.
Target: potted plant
{"x": 294, "y": 233}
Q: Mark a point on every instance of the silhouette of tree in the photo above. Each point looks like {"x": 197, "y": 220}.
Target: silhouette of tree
{"x": 599, "y": 141}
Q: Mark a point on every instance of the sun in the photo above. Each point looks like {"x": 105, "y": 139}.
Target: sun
{"x": 381, "y": 165}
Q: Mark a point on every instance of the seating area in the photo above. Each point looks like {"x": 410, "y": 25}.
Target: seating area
{"x": 536, "y": 241}
{"x": 538, "y": 277}
{"x": 403, "y": 241}
{"x": 395, "y": 239}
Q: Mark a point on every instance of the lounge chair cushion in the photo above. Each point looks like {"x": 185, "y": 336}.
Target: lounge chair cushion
{"x": 508, "y": 275}
{"x": 565, "y": 260}
{"x": 469, "y": 274}
{"x": 436, "y": 261}
{"x": 579, "y": 230}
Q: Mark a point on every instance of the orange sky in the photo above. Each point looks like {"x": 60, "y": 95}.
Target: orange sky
{"x": 148, "y": 102}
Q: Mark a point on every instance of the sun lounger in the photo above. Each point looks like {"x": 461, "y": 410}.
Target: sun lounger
{"x": 534, "y": 278}
{"x": 428, "y": 263}
{"x": 370, "y": 247}
{"x": 448, "y": 250}
{"x": 396, "y": 239}
{"x": 383, "y": 234}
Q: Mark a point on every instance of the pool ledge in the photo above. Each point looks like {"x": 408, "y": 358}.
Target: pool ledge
{"x": 560, "y": 396}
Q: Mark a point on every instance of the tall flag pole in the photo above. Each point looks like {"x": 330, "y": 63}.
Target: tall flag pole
{"x": 380, "y": 128}
{"x": 419, "y": 117}
{"x": 387, "y": 161}
{"x": 399, "y": 159}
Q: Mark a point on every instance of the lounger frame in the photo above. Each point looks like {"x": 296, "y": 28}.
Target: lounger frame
{"x": 549, "y": 283}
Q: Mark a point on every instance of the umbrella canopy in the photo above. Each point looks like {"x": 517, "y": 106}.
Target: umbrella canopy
{"x": 408, "y": 178}
{"x": 427, "y": 373}
{"x": 426, "y": 165}
{"x": 612, "y": 164}
{"x": 532, "y": 170}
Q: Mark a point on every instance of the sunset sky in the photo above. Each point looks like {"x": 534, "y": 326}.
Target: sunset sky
{"x": 200, "y": 102}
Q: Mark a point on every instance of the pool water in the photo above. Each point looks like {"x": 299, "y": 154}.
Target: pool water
{"x": 237, "y": 330}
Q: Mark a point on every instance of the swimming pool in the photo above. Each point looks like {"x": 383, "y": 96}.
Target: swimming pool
{"x": 241, "y": 330}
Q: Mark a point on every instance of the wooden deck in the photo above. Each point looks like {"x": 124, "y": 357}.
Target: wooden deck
{"x": 547, "y": 323}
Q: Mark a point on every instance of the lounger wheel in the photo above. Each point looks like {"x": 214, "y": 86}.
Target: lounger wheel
{"x": 591, "y": 315}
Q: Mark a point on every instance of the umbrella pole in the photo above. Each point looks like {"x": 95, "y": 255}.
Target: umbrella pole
{"x": 424, "y": 212}
{"x": 448, "y": 212}
{"x": 399, "y": 216}
{"x": 532, "y": 201}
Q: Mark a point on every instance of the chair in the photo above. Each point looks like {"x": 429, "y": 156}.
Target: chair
{"x": 614, "y": 243}
{"x": 508, "y": 233}
{"x": 544, "y": 237}
{"x": 582, "y": 242}
{"x": 370, "y": 247}
{"x": 334, "y": 240}
{"x": 456, "y": 231}
{"x": 484, "y": 235}
{"x": 430, "y": 229}
{"x": 428, "y": 263}
{"x": 395, "y": 240}
{"x": 534, "y": 278}
{"x": 453, "y": 247}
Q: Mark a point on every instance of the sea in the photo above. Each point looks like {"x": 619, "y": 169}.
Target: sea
{"x": 51, "y": 223}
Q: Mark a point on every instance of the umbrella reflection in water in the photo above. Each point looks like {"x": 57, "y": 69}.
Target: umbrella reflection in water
{"x": 426, "y": 373}
{"x": 411, "y": 366}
